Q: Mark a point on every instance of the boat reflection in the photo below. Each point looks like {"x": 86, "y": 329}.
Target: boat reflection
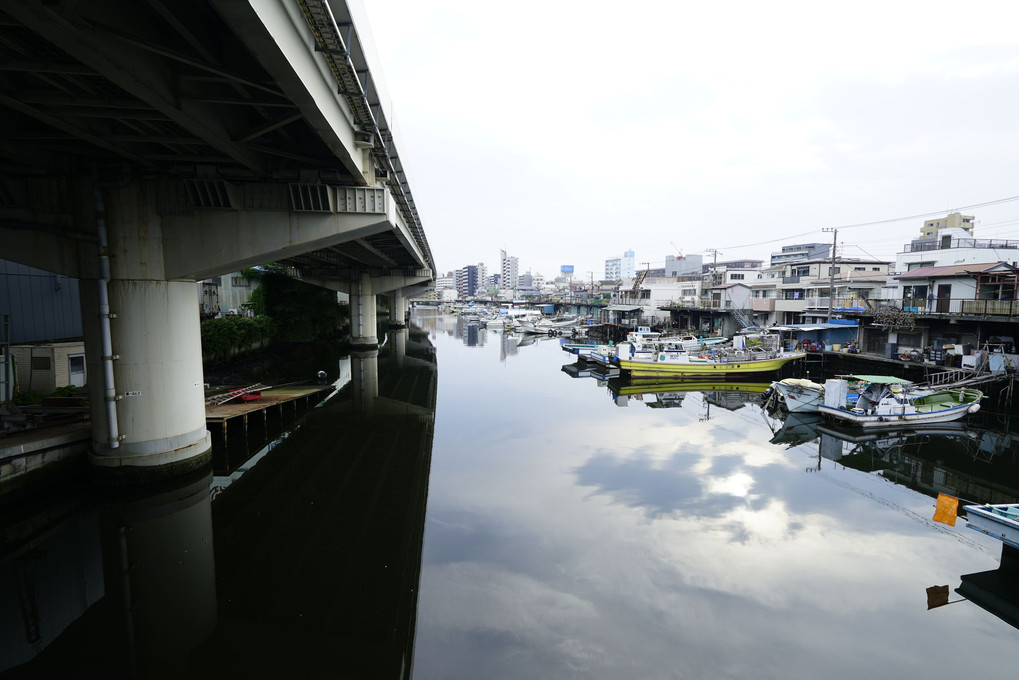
{"x": 584, "y": 369}
{"x": 796, "y": 428}
{"x": 996, "y": 590}
{"x": 730, "y": 395}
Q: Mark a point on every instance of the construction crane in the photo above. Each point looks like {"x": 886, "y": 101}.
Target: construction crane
{"x": 678, "y": 251}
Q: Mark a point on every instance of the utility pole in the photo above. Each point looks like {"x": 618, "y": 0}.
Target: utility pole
{"x": 831, "y": 273}
{"x": 714, "y": 265}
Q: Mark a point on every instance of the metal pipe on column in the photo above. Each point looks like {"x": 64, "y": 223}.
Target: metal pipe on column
{"x": 102, "y": 285}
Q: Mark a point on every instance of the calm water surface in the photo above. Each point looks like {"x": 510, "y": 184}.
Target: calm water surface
{"x": 466, "y": 508}
{"x": 571, "y": 533}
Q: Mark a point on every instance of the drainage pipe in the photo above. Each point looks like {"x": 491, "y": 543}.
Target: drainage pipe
{"x": 102, "y": 285}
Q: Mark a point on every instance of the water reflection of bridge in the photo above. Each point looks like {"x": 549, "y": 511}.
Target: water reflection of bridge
{"x": 306, "y": 564}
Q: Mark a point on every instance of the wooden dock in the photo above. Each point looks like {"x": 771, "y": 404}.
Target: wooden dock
{"x": 275, "y": 406}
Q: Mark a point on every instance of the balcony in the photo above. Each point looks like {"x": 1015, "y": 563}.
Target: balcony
{"x": 946, "y": 307}
{"x": 762, "y": 304}
{"x": 960, "y": 243}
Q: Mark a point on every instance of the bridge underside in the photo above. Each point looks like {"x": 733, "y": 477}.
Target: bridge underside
{"x": 149, "y": 145}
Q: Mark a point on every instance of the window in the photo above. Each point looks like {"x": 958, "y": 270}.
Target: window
{"x": 859, "y": 269}
{"x": 40, "y": 363}
{"x": 801, "y": 271}
{"x": 837, "y": 270}
{"x": 239, "y": 281}
{"x": 910, "y": 340}
{"x": 875, "y": 269}
{"x": 736, "y": 277}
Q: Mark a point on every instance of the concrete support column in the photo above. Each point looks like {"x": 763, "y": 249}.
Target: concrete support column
{"x": 362, "y": 313}
{"x": 397, "y": 309}
{"x": 153, "y": 377}
{"x": 158, "y": 377}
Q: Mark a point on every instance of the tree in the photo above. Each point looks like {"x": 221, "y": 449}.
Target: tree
{"x": 300, "y": 311}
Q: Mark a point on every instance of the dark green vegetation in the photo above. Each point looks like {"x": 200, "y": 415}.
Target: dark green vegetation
{"x": 285, "y": 310}
{"x": 34, "y": 398}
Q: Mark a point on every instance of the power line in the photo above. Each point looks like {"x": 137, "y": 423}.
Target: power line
{"x": 879, "y": 222}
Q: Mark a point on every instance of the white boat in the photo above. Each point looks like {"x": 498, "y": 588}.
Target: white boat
{"x": 799, "y": 395}
{"x": 998, "y": 521}
{"x": 893, "y": 406}
{"x": 691, "y": 343}
{"x": 643, "y": 342}
{"x": 521, "y": 320}
{"x": 556, "y": 325}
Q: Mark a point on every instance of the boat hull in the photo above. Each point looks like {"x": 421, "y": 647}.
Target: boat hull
{"x": 896, "y": 420}
{"x": 800, "y": 396}
{"x": 997, "y": 521}
{"x": 705, "y": 367}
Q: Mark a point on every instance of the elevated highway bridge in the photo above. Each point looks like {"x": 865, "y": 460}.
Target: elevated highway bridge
{"x": 147, "y": 145}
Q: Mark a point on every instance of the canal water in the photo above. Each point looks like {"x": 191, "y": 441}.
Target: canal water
{"x": 471, "y": 504}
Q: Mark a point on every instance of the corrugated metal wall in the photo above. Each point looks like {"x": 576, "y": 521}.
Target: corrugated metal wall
{"x": 42, "y": 305}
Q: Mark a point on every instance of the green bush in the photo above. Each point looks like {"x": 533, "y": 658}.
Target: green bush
{"x": 230, "y": 334}
{"x": 27, "y": 398}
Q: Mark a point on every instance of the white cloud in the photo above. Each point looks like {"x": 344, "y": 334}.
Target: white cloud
{"x": 529, "y": 124}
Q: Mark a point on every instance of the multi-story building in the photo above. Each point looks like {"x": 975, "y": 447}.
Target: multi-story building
{"x": 931, "y": 228}
{"x": 467, "y": 281}
{"x": 800, "y": 291}
{"x": 627, "y": 267}
{"x": 947, "y": 288}
{"x": 799, "y": 252}
{"x": 620, "y": 267}
{"x": 482, "y": 277}
{"x": 510, "y": 270}
{"x": 612, "y": 269}
{"x": 446, "y": 281}
{"x": 683, "y": 266}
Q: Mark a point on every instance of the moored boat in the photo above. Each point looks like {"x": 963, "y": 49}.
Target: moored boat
{"x": 892, "y": 406}
{"x": 998, "y": 521}
{"x": 719, "y": 363}
{"x": 799, "y": 395}
{"x": 802, "y": 395}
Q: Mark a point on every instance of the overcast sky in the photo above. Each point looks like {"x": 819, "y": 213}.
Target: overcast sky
{"x": 569, "y": 132}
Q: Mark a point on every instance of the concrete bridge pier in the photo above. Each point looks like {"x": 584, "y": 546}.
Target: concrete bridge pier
{"x": 362, "y": 285}
{"x": 363, "y": 333}
{"x": 143, "y": 348}
{"x": 398, "y": 309}
{"x": 158, "y": 378}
